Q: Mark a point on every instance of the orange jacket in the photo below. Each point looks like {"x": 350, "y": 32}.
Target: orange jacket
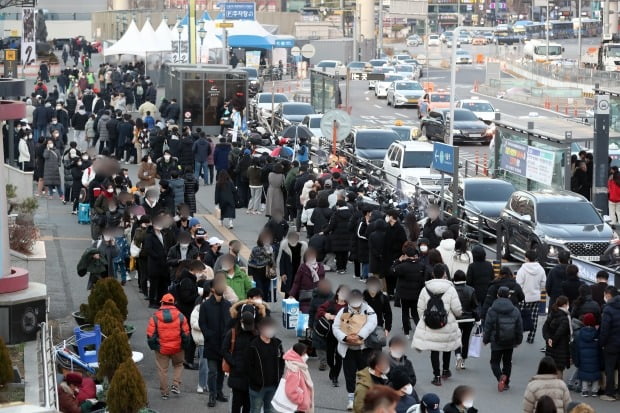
{"x": 167, "y": 334}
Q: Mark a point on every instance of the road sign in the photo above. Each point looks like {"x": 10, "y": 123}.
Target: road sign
{"x": 295, "y": 51}
{"x": 225, "y": 25}
{"x": 443, "y": 158}
{"x": 343, "y": 124}
{"x": 10, "y": 55}
{"x": 285, "y": 43}
{"x": 239, "y": 11}
{"x": 358, "y": 76}
{"x": 308, "y": 51}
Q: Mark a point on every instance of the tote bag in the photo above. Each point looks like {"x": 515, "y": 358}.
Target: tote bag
{"x": 475, "y": 343}
{"x": 281, "y": 402}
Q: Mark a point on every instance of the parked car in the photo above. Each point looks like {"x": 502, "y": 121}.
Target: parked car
{"x": 414, "y": 40}
{"x": 294, "y": 112}
{"x": 408, "y": 163}
{"x": 550, "y": 221}
{"x": 382, "y": 86}
{"x": 263, "y": 102}
{"x": 370, "y": 145}
{"x": 467, "y": 127}
{"x": 404, "y": 93}
{"x": 334, "y": 67}
{"x": 255, "y": 81}
{"x": 313, "y": 122}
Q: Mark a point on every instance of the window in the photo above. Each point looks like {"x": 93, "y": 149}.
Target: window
{"x": 568, "y": 213}
{"x": 375, "y": 139}
{"x": 414, "y": 159}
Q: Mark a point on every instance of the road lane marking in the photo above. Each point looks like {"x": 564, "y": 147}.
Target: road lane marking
{"x": 400, "y": 114}
{"x": 377, "y": 106}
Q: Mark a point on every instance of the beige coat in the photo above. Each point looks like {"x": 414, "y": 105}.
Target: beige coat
{"x": 549, "y": 385}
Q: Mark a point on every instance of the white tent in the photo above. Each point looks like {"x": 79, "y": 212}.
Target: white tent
{"x": 151, "y": 42}
{"x": 129, "y": 43}
{"x": 163, "y": 34}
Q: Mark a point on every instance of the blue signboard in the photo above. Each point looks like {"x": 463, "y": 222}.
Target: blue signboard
{"x": 443, "y": 158}
{"x": 239, "y": 11}
{"x": 285, "y": 43}
{"x": 513, "y": 157}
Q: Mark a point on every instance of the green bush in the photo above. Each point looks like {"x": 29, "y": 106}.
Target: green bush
{"x": 113, "y": 352}
{"x": 109, "y": 322}
{"x": 6, "y": 365}
{"x": 127, "y": 392}
{"x": 103, "y": 290}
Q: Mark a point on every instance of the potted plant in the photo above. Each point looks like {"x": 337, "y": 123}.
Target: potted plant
{"x": 127, "y": 393}
{"x": 114, "y": 350}
{"x": 11, "y": 388}
{"x": 107, "y": 288}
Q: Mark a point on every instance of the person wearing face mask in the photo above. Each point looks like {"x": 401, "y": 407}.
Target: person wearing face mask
{"x": 24, "y": 158}
{"x": 480, "y": 274}
{"x": 76, "y": 170}
{"x": 379, "y": 302}
{"x": 235, "y": 348}
{"x": 395, "y": 237}
{"x": 375, "y": 232}
{"x": 321, "y": 294}
{"x": 166, "y": 164}
{"x": 236, "y": 278}
{"x": 51, "y": 169}
{"x": 558, "y": 333}
{"x": 199, "y": 341}
{"x": 609, "y": 339}
{"x": 352, "y": 325}
{"x": 462, "y": 401}
{"x": 214, "y": 318}
{"x": 299, "y": 388}
{"x": 264, "y": 366}
{"x": 108, "y": 250}
{"x": 147, "y": 172}
{"x": 289, "y": 258}
{"x": 56, "y": 128}
{"x": 213, "y": 252}
{"x": 156, "y": 247}
{"x": 328, "y": 311}
{"x": 375, "y": 374}
{"x": 400, "y": 381}
{"x": 261, "y": 262}
{"x": 183, "y": 250}
{"x": 434, "y": 221}
{"x": 138, "y": 240}
{"x": 69, "y": 157}
{"x": 410, "y": 278}
{"x": 234, "y": 248}
{"x": 399, "y": 361}
{"x": 306, "y": 280}
{"x": 166, "y": 197}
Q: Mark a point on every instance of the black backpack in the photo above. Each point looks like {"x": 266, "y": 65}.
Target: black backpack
{"x": 435, "y": 315}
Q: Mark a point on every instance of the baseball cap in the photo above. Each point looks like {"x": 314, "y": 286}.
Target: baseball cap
{"x": 200, "y": 232}
{"x": 167, "y": 299}
{"x": 431, "y": 402}
{"x": 193, "y": 222}
{"x": 215, "y": 241}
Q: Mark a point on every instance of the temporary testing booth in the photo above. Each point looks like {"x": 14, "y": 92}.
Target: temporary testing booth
{"x": 202, "y": 89}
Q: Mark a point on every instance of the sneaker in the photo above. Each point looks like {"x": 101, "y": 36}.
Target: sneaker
{"x": 436, "y": 381}
{"x": 350, "y": 405}
{"x": 459, "y": 362}
{"x": 501, "y": 384}
{"x": 128, "y": 278}
{"x": 175, "y": 389}
{"x": 462, "y": 365}
{"x": 408, "y": 336}
{"x": 446, "y": 374}
{"x": 585, "y": 394}
{"x": 73, "y": 212}
{"x": 608, "y": 398}
{"x": 200, "y": 389}
{"x": 543, "y": 349}
{"x": 335, "y": 383}
{"x": 164, "y": 397}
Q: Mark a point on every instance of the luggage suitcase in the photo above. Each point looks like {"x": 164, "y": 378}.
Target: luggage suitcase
{"x": 83, "y": 213}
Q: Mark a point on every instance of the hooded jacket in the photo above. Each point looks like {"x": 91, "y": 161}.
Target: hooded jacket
{"x": 201, "y": 149}
{"x": 236, "y": 355}
{"x": 220, "y": 156}
{"x": 410, "y": 278}
{"x": 239, "y": 282}
{"x": 532, "y": 279}
{"x": 338, "y": 229}
{"x": 587, "y": 355}
{"x": 610, "y": 326}
{"x": 554, "y": 282}
{"x": 516, "y": 293}
{"x": 171, "y": 326}
{"x": 186, "y": 293}
{"x": 549, "y": 385}
{"x": 447, "y": 338}
{"x": 557, "y": 328}
{"x": 503, "y": 327}
{"x": 480, "y": 273}
{"x": 299, "y": 388}
{"x": 365, "y": 331}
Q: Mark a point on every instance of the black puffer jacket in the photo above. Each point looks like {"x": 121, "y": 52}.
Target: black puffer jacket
{"x": 409, "y": 278}
{"x": 610, "y": 326}
{"x": 428, "y": 232}
{"x": 320, "y": 218}
{"x": 503, "y": 327}
{"x": 186, "y": 293}
{"x": 376, "y": 239}
{"x": 480, "y": 273}
{"x": 469, "y": 303}
{"x": 338, "y": 229}
{"x": 557, "y": 328}
{"x": 395, "y": 237}
{"x": 516, "y": 293}
{"x": 381, "y": 304}
{"x": 237, "y": 380}
{"x": 186, "y": 153}
{"x": 588, "y": 305}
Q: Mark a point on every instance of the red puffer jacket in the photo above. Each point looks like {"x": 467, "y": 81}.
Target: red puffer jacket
{"x": 165, "y": 335}
{"x": 614, "y": 191}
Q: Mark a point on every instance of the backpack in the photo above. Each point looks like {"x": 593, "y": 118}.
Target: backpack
{"x": 139, "y": 90}
{"x": 435, "y": 315}
{"x": 507, "y": 336}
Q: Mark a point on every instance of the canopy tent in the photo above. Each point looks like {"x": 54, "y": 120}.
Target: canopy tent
{"x": 129, "y": 43}
{"x": 246, "y": 33}
{"x": 151, "y": 42}
{"x": 163, "y": 34}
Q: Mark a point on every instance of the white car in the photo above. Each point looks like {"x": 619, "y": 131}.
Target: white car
{"x": 334, "y": 67}
{"x": 408, "y": 72}
{"x": 382, "y": 86}
{"x": 398, "y": 58}
{"x": 404, "y": 92}
{"x": 263, "y": 102}
{"x": 384, "y": 70}
{"x": 434, "y": 40}
{"x": 313, "y": 122}
{"x": 481, "y": 108}
{"x": 463, "y": 57}
{"x": 408, "y": 163}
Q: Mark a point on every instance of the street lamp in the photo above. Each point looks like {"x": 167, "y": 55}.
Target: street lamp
{"x": 118, "y": 28}
{"x": 202, "y": 32}
{"x": 179, "y": 30}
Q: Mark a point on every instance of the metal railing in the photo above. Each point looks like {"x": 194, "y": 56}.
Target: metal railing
{"x": 48, "y": 391}
{"x": 570, "y": 73}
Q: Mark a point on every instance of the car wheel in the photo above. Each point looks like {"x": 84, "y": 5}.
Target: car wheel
{"x": 505, "y": 246}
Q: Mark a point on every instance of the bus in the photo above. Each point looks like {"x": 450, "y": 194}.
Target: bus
{"x": 535, "y": 31}
{"x": 505, "y": 35}
{"x": 589, "y": 27}
{"x": 561, "y": 29}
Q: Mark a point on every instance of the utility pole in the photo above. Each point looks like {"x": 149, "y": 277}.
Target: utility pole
{"x": 380, "y": 39}
{"x": 579, "y": 34}
{"x": 547, "y": 27}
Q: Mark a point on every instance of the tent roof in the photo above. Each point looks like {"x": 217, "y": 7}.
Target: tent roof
{"x": 129, "y": 43}
{"x": 163, "y": 33}
{"x": 150, "y": 40}
{"x": 245, "y": 33}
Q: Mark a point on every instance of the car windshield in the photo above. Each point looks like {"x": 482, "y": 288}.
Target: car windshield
{"x": 326, "y": 64}
{"x": 482, "y": 191}
{"x": 447, "y": 34}
{"x": 440, "y": 98}
{"x": 277, "y": 98}
{"x": 297, "y": 109}
{"x": 356, "y": 65}
{"x": 404, "y": 68}
{"x": 414, "y": 159}
{"x": 378, "y": 62}
{"x": 478, "y": 106}
{"x": 464, "y": 115}
{"x": 375, "y": 139}
{"x": 408, "y": 86}
{"x": 251, "y": 72}
{"x": 567, "y": 213}
{"x": 315, "y": 123}
{"x": 403, "y": 132}
{"x": 391, "y": 78}
{"x": 433, "y": 37}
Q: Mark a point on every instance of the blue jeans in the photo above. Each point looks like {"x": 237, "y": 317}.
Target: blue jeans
{"x": 364, "y": 274}
{"x": 50, "y": 190}
{"x": 201, "y": 167}
{"x": 38, "y": 132}
{"x": 120, "y": 269}
{"x": 262, "y": 400}
{"x": 203, "y": 369}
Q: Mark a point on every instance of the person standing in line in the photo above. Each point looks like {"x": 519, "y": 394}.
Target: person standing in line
{"x": 380, "y": 302}
{"x": 395, "y": 237}
{"x": 409, "y": 274}
{"x": 609, "y": 339}
{"x": 225, "y": 198}
{"x": 613, "y": 188}
{"x": 256, "y": 188}
{"x": 51, "y": 169}
{"x": 557, "y": 276}
{"x": 264, "y": 366}
{"x": 598, "y": 289}
{"x": 202, "y": 150}
{"x": 462, "y": 401}
{"x": 321, "y": 294}
{"x": 532, "y": 279}
{"x": 339, "y": 237}
{"x": 570, "y": 286}
{"x": 467, "y": 297}
{"x": 261, "y": 263}
{"x": 307, "y": 278}
{"x": 558, "y": 333}
{"x": 587, "y": 356}
{"x": 290, "y": 256}
{"x": 352, "y": 325}
{"x": 329, "y": 310}
{"x": 199, "y": 341}
{"x": 213, "y": 319}
{"x": 157, "y": 269}
{"x": 546, "y": 382}
{"x": 167, "y": 331}
{"x": 503, "y": 328}
{"x": 438, "y": 331}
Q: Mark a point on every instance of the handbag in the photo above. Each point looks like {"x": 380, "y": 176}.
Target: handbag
{"x": 134, "y": 250}
{"x": 475, "y": 343}
{"x": 233, "y": 339}
{"x": 280, "y": 402}
{"x": 377, "y": 339}
{"x": 270, "y": 274}
{"x": 322, "y": 327}
{"x": 305, "y": 295}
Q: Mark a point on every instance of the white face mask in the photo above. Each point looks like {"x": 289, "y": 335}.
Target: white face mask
{"x": 184, "y": 245}
{"x": 387, "y": 219}
{"x": 107, "y": 238}
{"x": 258, "y": 301}
{"x": 149, "y": 161}
{"x": 468, "y": 403}
{"x": 110, "y": 190}
{"x": 304, "y": 357}
{"x": 408, "y": 389}
{"x": 167, "y": 157}
{"x": 50, "y": 145}
{"x": 112, "y": 209}
{"x": 225, "y": 267}
{"x": 423, "y": 248}
{"x": 54, "y": 122}
{"x": 386, "y": 371}
{"x": 269, "y": 332}
{"x": 356, "y": 303}
{"x": 397, "y": 353}
{"x": 85, "y": 158}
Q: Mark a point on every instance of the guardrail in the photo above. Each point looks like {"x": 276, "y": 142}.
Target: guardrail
{"x": 586, "y": 76}
{"x": 48, "y": 389}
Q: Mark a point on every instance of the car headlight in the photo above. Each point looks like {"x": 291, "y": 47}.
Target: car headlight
{"x": 616, "y": 251}
{"x": 553, "y": 251}
{"x": 491, "y": 129}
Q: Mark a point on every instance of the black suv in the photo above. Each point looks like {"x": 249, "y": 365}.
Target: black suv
{"x": 550, "y": 221}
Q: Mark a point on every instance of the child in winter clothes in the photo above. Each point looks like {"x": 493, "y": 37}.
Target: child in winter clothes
{"x": 587, "y": 356}
{"x": 299, "y": 387}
